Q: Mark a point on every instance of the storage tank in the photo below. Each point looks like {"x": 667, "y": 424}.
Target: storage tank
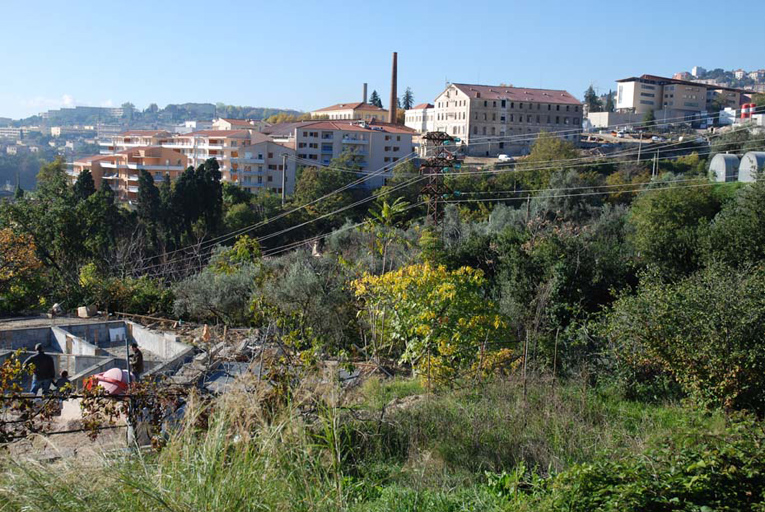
{"x": 751, "y": 167}
{"x": 724, "y": 168}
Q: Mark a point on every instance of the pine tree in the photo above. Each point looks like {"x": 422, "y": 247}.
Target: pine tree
{"x": 18, "y": 193}
{"x": 610, "y": 101}
{"x": 84, "y": 187}
{"x": 375, "y": 100}
{"x": 408, "y": 100}
{"x": 591, "y": 100}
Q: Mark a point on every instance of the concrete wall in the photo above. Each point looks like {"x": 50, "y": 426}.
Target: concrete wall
{"x": 165, "y": 345}
{"x": 67, "y": 343}
{"x": 14, "y": 339}
{"x": 96, "y": 334}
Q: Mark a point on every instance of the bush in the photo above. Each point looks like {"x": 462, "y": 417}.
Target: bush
{"x": 706, "y": 331}
{"x": 696, "y": 470}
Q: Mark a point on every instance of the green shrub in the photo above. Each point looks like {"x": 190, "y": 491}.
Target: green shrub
{"x": 705, "y": 330}
{"x": 695, "y": 470}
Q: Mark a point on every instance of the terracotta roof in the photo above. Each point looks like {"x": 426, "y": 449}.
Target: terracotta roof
{"x": 497, "y": 92}
{"x": 360, "y": 105}
{"x": 422, "y": 106}
{"x": 134, "y": 133}
{"x": 356, "y": 126}
{"x": 218, "y": 133}
{"x": 237, "y": 122}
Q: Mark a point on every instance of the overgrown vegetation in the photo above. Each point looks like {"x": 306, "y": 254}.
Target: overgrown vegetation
{"x": 572, "y": 337}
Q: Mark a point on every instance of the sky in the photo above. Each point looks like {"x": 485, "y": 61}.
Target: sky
{"x": 310, "y": 54}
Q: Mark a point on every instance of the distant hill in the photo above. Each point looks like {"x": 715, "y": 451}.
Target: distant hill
{"x": 128, "y": 115}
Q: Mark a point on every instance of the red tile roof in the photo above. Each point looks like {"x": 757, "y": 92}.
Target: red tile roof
{"x": 422, "y": 106}
{"x": 218, "y": 133}
{"x": 357, "y": 126}
{"x": 352, "y": 106}
{"x": 136, "y": 133}
{"x": 497, "y": 92}
{"x": 237, "y": 122}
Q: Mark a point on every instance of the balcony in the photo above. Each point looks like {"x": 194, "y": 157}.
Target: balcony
{"x": 133, "y": 190}
{"x": 135, "y": 167}
{"x": 353, "y": 140}
{"x": 110, "y": 177}
{"x": 329, "y": 149}
{"x": 176, "y": 145}
{"x": 249, "y": 160}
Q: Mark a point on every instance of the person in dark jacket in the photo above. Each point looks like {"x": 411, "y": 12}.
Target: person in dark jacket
{"x": 44, "y": 370}
{"x": 62, "y": 381}
{"x": 136, "y": 360}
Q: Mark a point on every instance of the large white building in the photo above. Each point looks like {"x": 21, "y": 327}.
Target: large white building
{"x": 420, "y": 118}
{"x": 492, "y": 119}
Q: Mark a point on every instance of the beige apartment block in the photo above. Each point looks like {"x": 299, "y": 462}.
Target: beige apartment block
{"x": 351, "y": 111}
{"x": 670, "y": 98}
{"x": 494, "y": 119}
{"x": 375, "y": 146}
{"x": 122, "y": 168}
{"x": 258, "y": 166}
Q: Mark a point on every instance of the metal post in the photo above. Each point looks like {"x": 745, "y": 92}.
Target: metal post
{"x": 284, "y": 178}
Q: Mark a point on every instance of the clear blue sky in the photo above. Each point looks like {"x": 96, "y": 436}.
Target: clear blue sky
{"x": 306, "y": 55}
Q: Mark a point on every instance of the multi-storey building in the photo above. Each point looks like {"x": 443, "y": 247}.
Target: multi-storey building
{"x": 11, "y": 132}
{"x": 420, "y": 118}
{"x": 374, "y": 145}
{"x": 352, "y": 111}
{"x": 492, "y": 119}
{"x": 121, "y": 169}
{"x": 672, "y": 99}
{"x": 245, "y": 157}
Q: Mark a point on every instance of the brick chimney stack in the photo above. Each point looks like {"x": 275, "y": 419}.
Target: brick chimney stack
{"x": 393, "y": 92}
{"x": 365, "y": 92}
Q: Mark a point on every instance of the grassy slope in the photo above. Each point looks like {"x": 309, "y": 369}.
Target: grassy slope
{"x": 431, "y": 455}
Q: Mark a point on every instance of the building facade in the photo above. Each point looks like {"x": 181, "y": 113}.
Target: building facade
{"x": 246, "y": 158}
{"x": 351, "y": 111}
{"x": 122, "y": 168}
{"x": 672, "y": 99}
{"x": 493, "y": 119}
{"x": 420, "y": 118}
{"x": 373, "y": 146}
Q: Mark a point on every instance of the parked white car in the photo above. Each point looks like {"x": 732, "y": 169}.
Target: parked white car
{"x": 504, "y": 158}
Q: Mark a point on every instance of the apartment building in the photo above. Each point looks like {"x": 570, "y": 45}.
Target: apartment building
{"x": 11, "y": 132}
{"x": 374, "y": 145}
{"x": 420, "y": 118}
{"x": 493, "y": 119}
{"x": 351, "y": 111}
{"x": 121, "y": 169}
{"x": 670, "y": 98}
{"x": 245, "y": 157}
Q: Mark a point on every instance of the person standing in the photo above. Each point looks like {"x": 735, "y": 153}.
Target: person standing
{"x": 136, "y": 360}
{"x": 44, "y": 370}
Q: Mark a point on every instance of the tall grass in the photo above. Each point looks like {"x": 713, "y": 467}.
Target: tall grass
{"x": 430, "y": 454}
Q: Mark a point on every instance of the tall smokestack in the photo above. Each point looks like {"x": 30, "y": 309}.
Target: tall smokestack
{"x": 365, "y": 92}
{"x": 393, "y": 93}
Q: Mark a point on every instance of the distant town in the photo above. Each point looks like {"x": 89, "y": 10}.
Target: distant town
{"x": 262, "y": 149}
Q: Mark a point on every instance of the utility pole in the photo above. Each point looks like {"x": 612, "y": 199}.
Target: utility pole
{"x": 640, "y": 145}
{"x": 284, "y": 178}
{"x": 441, "y": 161}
